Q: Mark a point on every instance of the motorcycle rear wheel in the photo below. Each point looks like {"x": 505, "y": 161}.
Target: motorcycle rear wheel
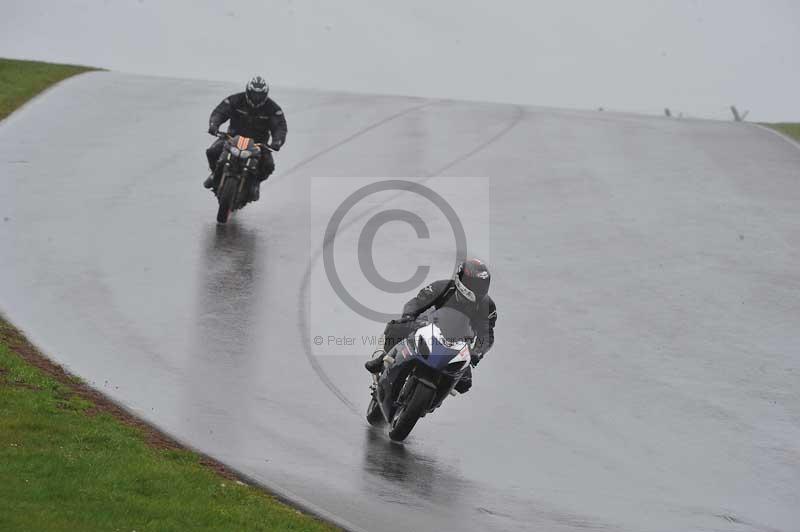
{"x": 418, "y": 404}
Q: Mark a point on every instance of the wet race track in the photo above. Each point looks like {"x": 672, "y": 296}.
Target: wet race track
{"x": 645, "y": 374}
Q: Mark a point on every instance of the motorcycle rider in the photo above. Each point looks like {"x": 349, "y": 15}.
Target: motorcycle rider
{"x": 252, "y": 114}
{"x": 467, "y": 292}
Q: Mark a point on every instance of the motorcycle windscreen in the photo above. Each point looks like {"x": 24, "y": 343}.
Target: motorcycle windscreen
{"x": 439, "y": 354}
{"x": 455, "y": 333}
{"x": 454, "y": 324}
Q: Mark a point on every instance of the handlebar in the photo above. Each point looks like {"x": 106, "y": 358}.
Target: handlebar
{"x": 225, "y": 136}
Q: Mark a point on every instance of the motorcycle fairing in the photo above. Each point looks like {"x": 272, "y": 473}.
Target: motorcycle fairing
{"x": 242, "y": 142}
{"x": 442, "y": 366}
{"x": 240, "y": 147}
{"x": 440, "y": 352}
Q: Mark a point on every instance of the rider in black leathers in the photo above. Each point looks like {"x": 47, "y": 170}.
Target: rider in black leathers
{"x": 253, "y": 114}
{"x": 466, "y": 292}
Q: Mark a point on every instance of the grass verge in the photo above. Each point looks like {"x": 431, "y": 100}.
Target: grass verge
{"x": 22, "y": 80}
{"x": 789, "y": 129}
{"x": 72, "y": 460}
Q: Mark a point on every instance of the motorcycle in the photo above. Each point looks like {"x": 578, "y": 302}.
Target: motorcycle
{"x": 240, "y": 158}
{"x": 420, "y": 372}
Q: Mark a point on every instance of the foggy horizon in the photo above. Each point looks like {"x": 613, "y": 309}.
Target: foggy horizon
{"x": 696, "y": 58}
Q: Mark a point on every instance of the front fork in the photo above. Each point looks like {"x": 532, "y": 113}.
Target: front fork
{"x": 373, "y": 386}
{"x": 242, "y": 180}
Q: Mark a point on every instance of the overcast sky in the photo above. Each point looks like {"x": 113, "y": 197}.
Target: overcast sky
{"x": 694, "y": 56}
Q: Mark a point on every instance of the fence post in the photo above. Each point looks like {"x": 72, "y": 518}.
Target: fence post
{"x": 736, "y": 116}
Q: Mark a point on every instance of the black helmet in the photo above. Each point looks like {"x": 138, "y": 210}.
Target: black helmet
{"x": 257, "y": 91}
{"x": 472, "y": 279}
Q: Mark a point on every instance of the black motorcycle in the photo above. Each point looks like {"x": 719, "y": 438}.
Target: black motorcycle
{"x": 240, "y": 159}
{"x": 420, "y": 371}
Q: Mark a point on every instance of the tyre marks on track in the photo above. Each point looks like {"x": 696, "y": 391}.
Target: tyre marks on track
{"x": 350, "y": 138}
{"x": 309, "y": 159}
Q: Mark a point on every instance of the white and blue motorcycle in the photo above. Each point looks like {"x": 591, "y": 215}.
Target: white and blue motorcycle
{"x": 421, "y": 371}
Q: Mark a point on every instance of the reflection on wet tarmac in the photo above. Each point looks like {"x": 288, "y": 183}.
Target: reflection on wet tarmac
{"x": 223, "y": 352}
{"x": 231, "y": 264}
{"x": 409, "y": 471}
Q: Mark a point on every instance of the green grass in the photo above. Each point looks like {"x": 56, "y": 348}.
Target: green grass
{"x": 70, "y": 461}
{"x": 22, "y": 80}
{"x": 787, "y": 128}
{"x": 64, "y": 466}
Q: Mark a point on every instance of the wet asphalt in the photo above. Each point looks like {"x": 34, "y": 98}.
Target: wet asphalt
{"x": 645, "y": 374}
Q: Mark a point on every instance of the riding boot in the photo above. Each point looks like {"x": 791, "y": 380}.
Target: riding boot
{"x": 212, "y": 181}
{"x": 465, "y": 382}
{"x": 375, "y": 364}
{"x": 255, "y": 187}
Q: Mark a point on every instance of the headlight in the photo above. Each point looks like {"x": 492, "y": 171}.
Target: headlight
{"x": 234, "y": 151}
{"x": 245, "y": 154}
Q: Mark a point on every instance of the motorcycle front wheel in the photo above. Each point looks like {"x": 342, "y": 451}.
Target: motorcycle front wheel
{"x": 374, "y": 414}
{"x": 227, "y": 195}
{"x": 417, "y": 405}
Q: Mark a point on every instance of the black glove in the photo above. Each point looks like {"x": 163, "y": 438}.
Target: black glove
{"x": 405, "y": 318}
{"x": 276, "y": 145}
{"x": 213, "y": 129}
{"x": 475, "y": 358}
